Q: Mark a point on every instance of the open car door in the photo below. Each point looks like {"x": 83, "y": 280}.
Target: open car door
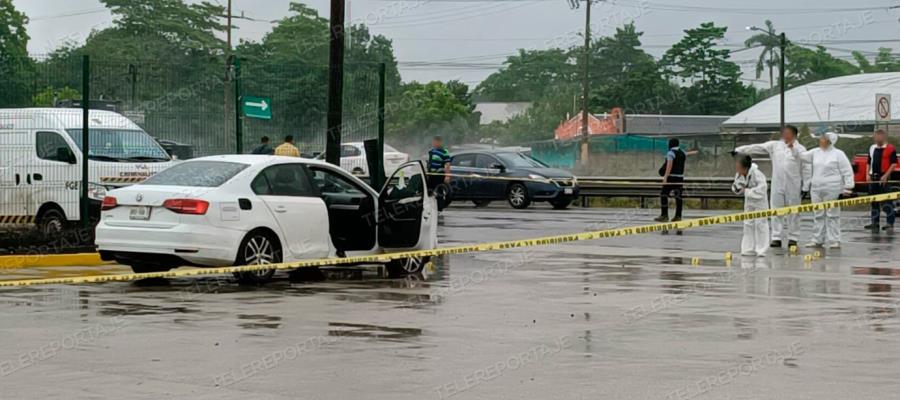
{"x": 407, "y": 211}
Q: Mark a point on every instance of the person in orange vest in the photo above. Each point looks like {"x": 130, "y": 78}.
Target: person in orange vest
{"x": 287, "y": 148}
{"x": 882, "y": 162}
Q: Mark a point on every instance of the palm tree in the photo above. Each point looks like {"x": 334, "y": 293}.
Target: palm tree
{"x": 769, "y": 57}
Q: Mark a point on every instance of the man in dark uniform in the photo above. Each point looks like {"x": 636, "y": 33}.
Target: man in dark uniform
{"x": 882, "y": 162}
{"x": 263, "y": 147}
{"x": 439, "y": 170}
{"x": 672, "y": 173}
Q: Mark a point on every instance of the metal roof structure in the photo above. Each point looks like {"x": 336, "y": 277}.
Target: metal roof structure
{"x": 837, "y": 101}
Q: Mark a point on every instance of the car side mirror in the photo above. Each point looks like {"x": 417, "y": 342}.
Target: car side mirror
{"x": 498, "y": 166}
{"x": 65, "y": 154}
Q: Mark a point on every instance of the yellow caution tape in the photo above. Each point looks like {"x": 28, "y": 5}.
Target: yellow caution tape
{"x": 511, "y": 244}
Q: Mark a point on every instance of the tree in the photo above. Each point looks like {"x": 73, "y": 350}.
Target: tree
{"x": 15, "y": 66}
{"x": 769, "y": 57}
{"x": 527, "y": 76}
{"x": 885, "y": 61}
{"x": 806, "y": 65}
{"x": 424, "y": 110}
{"x": 291, "y": 63}
{"x": 623, "y": 75}
{"x": 712, "y": 82}
{"x": 189, "y": 27}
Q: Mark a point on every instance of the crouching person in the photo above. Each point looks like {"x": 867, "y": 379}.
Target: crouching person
{"x": 751, "y": 182}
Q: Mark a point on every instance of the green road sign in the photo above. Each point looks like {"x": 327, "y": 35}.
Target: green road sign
{"x": 256, "y": 107}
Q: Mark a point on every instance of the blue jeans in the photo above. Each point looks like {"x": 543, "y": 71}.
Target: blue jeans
{"x": 888, "y": 206}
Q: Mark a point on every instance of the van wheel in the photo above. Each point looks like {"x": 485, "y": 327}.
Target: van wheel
{"x": 51, "y": 223}
{"x": 258, "y": 248}
{"x": 357, "y": 171}
{"x": 517, "y": 196}
{"x": 407, "y": 266}
{"x": 481, "y": 203}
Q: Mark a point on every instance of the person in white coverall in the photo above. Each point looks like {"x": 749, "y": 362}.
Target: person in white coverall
{"x": 832, "y": 176}
{"x": 751, "y": 183}
{"x": 787, "y": 181}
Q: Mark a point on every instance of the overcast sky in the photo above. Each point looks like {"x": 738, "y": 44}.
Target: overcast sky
{"x": 469, "y": 39}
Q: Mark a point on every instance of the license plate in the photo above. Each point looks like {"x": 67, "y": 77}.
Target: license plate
{"x": 141, "y": 213}
{"x": 568, "y": 191}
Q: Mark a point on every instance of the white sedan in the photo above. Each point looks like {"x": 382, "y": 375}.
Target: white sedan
{"x": 251, "y": 209}
{"x": 353, "y": 159}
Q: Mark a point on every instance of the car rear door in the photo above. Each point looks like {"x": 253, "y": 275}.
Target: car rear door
{"x": 297, "y": 208}
{"x": 407, "y": 213}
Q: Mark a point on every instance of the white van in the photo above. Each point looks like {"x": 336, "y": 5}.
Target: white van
{"x": 40, "y": 163}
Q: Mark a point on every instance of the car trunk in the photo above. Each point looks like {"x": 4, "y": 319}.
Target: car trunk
{"x": 142, "y": 205}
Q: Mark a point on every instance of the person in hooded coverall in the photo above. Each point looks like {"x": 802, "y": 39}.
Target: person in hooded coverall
{"x": 832, "y": 175}
{"x": 751, "y": 183}
{"x": 787, "y": 181}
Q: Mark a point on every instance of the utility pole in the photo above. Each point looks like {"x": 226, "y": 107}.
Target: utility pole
{"x": 228, "y": 98}
{"x": 585, "y": 132}
{"x": 783, "y": 45}
{"x": 335, "y": 83}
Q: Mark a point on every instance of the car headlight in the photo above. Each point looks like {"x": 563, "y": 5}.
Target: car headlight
{"x": 96, "y": 192}
{"x": 539, "y": 178}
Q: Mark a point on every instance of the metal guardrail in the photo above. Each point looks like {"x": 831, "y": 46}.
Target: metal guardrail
{"x": 703, "y": 188}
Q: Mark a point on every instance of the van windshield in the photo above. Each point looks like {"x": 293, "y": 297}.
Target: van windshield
{"x": 121, "y": 145}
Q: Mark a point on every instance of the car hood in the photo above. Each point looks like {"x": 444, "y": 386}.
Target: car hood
{"x": 548, "y": 172}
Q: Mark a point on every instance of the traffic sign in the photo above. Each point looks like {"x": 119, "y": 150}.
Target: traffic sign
{"x": 256, "y": 107}
{"x": 882, "y": 107}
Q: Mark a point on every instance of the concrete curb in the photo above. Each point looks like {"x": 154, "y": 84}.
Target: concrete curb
{"x": 18, "y": 261}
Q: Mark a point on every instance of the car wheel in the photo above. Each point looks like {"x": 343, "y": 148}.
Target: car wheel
{"x": 561, "y": 204}
{"x": 407, "y": 266}
{"x": 517, "y": 196}
{"x": 51, "y": 223}
{"x": 481, "y": 203}
{"x": 258, "y": 248}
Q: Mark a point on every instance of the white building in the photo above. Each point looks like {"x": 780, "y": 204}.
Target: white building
{"x": 845, "y": 104}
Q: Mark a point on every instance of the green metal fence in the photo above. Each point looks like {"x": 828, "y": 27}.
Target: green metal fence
{"x": 143, "y": 111}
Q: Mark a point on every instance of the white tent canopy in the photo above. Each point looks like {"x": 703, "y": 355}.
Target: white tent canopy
{"x": 842, "y": 100}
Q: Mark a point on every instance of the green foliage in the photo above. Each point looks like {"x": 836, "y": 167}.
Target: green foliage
{"x": 885, "y": 61}
{"x": 424, "y": 110}
{"x": 50, "y": 95}
{"x": 14, "y": 62}
{"x": 526, "y": 76}
{"x": 713, "y": 85}
{"x": 769, "y": 57}
{"x": 805, "y": 65}
{"x": 624, "y": 75}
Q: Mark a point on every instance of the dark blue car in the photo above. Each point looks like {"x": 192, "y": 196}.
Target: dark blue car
{"x": 518, "y": 178}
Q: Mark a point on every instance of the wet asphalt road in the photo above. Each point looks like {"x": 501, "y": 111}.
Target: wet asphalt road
{"x": 624, "y": 318}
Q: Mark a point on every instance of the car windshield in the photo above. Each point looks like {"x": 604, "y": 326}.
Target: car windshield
{"x": 519, "y": 160}
{"x": 196, "y": 173}
{"x": 121, "y": 145}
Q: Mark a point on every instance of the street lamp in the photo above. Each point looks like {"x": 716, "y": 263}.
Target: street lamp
{"x": 782, "y": 45}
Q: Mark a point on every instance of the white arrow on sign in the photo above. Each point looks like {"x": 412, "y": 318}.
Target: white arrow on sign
{"x": 262, "y": 105}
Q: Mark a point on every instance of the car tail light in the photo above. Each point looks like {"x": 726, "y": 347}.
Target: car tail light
{"x": 187, "y": 206}
{"x": 109, "y": 202}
